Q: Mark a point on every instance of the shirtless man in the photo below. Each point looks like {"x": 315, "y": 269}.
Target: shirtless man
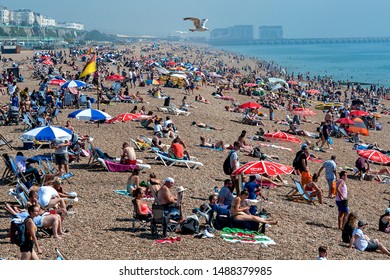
{"x": 128, "y": 155}
{"x": 164, "y": 195}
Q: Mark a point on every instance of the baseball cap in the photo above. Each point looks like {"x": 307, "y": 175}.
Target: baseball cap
{"x": 362, "y": 223}
{"x": 304, "y": 146}
{"x": 387, "y": 210}
{"x": 169, "y": 180}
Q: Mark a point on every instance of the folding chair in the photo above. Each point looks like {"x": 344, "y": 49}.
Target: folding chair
{"x": 298, "y": 194}
{"x": 27, "y": 122}
{"x": 143, "y": 221}
{"x": 4, "y": 141}
{"x": 159, "y": 219}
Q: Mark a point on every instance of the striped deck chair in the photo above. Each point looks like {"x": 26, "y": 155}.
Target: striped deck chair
{"x": 298, "y": 194}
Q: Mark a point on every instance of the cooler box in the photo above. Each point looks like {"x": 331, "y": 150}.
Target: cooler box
{"x": 28, "y": 145}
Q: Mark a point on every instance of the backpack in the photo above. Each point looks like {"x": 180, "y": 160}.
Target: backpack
{"x": 256, "y": 152}
{"x": 18, "y": 231}
{"x": 189, "y": 226}
{"x": 227, "y": 168}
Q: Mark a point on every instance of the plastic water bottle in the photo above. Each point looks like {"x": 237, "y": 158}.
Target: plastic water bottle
{"x": 216, "y": 190}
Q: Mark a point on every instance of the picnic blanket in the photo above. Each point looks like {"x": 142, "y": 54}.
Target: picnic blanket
{"x": 274, "y": 146}
{"x": 236, "y": 235}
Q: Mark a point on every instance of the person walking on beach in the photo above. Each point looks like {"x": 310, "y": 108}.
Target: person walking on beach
{"x": 235, "y": 164}
{"x": 330, "y": 173}
{"x": 61, "y": 154}
{"x": 342, "y": 199}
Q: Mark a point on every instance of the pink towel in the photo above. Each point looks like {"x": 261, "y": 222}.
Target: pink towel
{"x": 117, "y": 167}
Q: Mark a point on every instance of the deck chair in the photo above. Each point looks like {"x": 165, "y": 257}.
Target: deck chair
{"x": 15, "y": 170}
{"x": 168, "y": 161}
{"x": 4, "y": 141}
{"x": 160, "y": 219}
{"x": 143, "y": 221}
{"x": 93, "y": 158}
{"x": 8, "y": 175}
{"x": 163, "y": 109}
{"x": 298, "y": 194}
{"x": 140, "y": 146}
{"x": 83, "y": 100}
{"x": 55, "y": 116}
{"x": 60, "y": 255}
{"x": 27, "y": 122}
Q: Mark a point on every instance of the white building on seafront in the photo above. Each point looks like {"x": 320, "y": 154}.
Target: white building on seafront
{"x": 25, "y": 17}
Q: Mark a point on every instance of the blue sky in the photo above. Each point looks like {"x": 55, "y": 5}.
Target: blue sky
{"x": 299, "y": 18}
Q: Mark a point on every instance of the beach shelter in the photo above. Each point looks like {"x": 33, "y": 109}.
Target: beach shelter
{"x": 251, "y": 105}
{"x": 374, "y": 156}
{"x": 359, "y": 127}
{"x": 303, "y": 112}
{"x": 263, "y": 167}
{"x": 282, "y": 136}
{"x": 89, "y": 115}
{"x": 47, "y": 133}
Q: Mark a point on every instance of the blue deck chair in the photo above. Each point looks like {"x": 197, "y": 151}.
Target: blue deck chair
{"x": 27, "y": 122}
{"x": 298, "y": 194}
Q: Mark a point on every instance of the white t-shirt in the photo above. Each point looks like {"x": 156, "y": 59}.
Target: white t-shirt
{"x": 360, "y": 243}
{"x": 45, "y": 193}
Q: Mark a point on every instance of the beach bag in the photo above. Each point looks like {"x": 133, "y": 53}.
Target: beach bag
{"x": 333, "y": 190}
{"x": 330, "y": 140}
{"x": 227, "y": 168}
{"x": 18, "y": 231}
{"x": 189, "y": 226}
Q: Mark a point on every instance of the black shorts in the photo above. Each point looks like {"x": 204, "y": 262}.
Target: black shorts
{"x": 372, "y": 246}
{"x": 27, "y": 246}
{"x": 61, "y": 158}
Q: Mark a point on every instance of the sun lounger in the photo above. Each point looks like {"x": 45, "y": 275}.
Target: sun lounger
{"x": 140, "y": 146}
{"x": 168, "y": 161}
{"x": 163, "y": 109}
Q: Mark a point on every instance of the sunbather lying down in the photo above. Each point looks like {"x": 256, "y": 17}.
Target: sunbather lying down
{"x": 382, "y": 171}
{"x": 218, "y": 145}
{"x": 203, "y": 125}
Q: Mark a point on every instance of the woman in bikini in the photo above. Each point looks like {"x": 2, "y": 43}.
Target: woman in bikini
{"x": 239, "y": 210}
{"x": 142, "y": 210}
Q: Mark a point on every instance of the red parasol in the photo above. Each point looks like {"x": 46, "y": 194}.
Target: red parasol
{"x": 47, "y": 62}
{"x": 282, "y": 136}
{"x": 128, "y": 117}
{"x": 358, "y": 113}
{"x": 251, "y": 105}
{"x": 263, "y": 167}
{"x": 345, "y": 121}
{"x": 374, "y": 156}
{"x": 115, "y": 78}
{"x": 303, "y": 112}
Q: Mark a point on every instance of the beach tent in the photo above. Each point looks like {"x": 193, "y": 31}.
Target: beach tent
{"x": 359, "y": 127}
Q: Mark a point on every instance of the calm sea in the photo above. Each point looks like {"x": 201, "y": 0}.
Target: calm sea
{"x": 365, "y": 62}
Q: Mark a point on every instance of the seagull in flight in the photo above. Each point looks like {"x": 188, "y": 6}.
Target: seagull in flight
{"x": 199, "y": 24}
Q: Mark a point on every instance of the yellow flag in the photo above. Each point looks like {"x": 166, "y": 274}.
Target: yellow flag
{"x": 89, "y": 68}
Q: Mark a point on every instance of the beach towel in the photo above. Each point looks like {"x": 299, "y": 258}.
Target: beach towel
{"x": 122, "y": 192}
{"x": 236, "y": 235}
{"x": 117, "y": 167}
{"x": 315, "y": 160}
{"x": 275, "y": 146}
{"x": 230, "y": 98}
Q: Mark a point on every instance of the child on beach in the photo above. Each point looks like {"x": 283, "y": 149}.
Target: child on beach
{"x": 322, "y": 253}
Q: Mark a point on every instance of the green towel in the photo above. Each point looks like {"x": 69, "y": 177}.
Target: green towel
{"x": 122, "y": 192}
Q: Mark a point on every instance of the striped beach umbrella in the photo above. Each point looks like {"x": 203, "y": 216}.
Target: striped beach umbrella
{"x": 73, "y": 83}
{"x": 47, "y": 133}
{"x": 359, "y": 127}
{"x": 374, "y": 156}
{"x": 89, "y": 115}
{"x": 263, "y": 167}
{"x": 282, "y": 136}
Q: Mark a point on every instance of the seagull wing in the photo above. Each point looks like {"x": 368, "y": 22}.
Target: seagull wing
{"x": 203, "y": 22}
{"x": 196, "y": 21}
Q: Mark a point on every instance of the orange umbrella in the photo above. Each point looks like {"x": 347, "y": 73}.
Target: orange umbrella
{"x": 282, "y": 136}
{"x": 359, "y": 127}
{"x": 374, "y": 156}
{"x": 358, "y": 113}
